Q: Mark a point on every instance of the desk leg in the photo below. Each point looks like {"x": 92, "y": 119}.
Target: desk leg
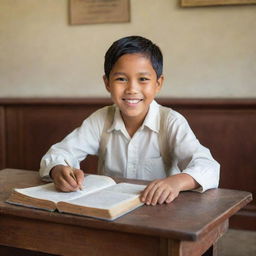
{"x": 205, "y": 246}
{"x": 212, "y": 251}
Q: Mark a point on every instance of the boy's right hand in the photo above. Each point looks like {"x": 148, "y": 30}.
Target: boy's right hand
{"x": 64, "y": 181}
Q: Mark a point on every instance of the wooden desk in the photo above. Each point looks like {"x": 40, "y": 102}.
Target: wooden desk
{"x": 191, "y": 225}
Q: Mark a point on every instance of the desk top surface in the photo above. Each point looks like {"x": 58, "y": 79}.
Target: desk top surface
{"x": 189, "y": 217}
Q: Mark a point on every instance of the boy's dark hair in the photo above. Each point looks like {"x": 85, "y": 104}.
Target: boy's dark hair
{"x": 134, "y": 44}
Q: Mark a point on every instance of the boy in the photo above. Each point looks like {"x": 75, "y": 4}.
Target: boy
{"x": 129, "y": 141}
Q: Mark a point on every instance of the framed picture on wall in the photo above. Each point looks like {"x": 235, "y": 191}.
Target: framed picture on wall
{"x": 195, "y": 3}
{"x": 100, "y": 11}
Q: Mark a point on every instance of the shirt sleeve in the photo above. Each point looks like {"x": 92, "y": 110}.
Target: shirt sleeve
{"x": 190, "y": 156}
{"x": 75, "y": 147}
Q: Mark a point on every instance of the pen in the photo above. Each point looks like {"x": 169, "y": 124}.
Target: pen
{"x": 73, "y": 175}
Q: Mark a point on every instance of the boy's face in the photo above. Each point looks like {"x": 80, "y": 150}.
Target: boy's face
{"x": 133, "y": 85}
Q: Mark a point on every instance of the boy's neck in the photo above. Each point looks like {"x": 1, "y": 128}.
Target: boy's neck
{"x": 132, "y": 125}
{"x": 131, "y": 130}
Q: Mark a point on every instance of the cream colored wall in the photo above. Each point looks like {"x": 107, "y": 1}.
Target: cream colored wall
{"x": 209, "y": 52}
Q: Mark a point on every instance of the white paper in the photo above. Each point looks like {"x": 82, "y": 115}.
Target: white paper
{"x": 91, "y": 184}
{"x": 110, "y": 196}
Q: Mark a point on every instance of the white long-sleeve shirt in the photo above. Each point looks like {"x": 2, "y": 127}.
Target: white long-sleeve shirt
{"x": 137, "y": 157}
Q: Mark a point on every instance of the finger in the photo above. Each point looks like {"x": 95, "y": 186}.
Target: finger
{"x": 147, "y": 190}
{"x": 64, "y": 173}
{"x": 70, "y": 179}
{"x": 150, "y": 194}
{"x": 163, "y": 196}
{"x": 64, "y": 186}
{"x": 79, "y": 177}
{"x": 158, "y": 193}
{"x": 170, "y": 198}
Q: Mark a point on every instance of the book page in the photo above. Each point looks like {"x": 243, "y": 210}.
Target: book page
{"x": 103, "y": 199}
{"x": 128, "y": 188}
{"x": 110, "y": 197}
{"x": 91, "y": 184}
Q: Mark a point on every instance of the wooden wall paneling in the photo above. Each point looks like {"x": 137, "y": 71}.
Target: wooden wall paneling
{"x": 2, "y": 138}
{"x": 244, "y": 219}
{"x": 33, "y": 129}
{"x": 14, "y": 142}
{"x": 230, "y": 135}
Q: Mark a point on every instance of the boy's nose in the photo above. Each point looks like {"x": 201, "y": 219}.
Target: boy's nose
{"x": 132, "y": 87}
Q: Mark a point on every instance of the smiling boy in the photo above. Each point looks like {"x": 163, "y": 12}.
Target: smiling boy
{"x": 129, "y": 142}
{"x": 133, "y": 85}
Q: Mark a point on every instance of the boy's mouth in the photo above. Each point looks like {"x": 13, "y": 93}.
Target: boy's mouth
{"x": 132, "y": 101}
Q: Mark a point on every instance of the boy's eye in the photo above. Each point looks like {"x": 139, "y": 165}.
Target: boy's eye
{"x": 122, "y": 79}
{"x": 143, "y": 79}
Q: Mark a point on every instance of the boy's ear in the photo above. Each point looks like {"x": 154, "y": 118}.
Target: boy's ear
{"x": 159, "y": 82}
{"x": 106, "y": 82}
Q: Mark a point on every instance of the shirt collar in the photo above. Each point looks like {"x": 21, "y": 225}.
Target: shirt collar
{"x": 118, "y": 123}
{"x": 152, "y": 120}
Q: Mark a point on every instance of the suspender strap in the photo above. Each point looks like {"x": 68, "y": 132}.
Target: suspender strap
{"x": 163, "y": 138}
{"x": 105, "y": 137}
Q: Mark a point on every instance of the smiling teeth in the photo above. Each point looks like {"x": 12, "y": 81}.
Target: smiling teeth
{"x": 133, "y": 101}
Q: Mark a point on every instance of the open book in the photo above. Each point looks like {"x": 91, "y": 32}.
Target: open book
{"x": 101, "y": 197}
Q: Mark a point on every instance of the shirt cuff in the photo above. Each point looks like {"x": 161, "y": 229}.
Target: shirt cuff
{"x": 204, "y": 182}
{"x": 45, "y": 171}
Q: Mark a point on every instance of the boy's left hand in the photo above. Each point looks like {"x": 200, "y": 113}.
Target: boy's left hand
{"x": 166, "y": 190}
{"x": 160, "y": 191}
